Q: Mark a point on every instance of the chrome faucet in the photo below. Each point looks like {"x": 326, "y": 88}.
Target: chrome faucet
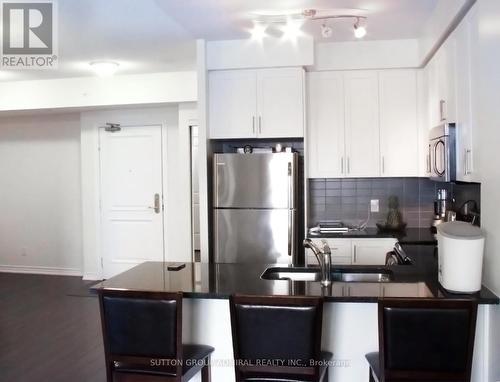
{"x": 324, "y": 257}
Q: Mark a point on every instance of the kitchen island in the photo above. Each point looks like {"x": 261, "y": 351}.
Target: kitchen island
{"x": 350, "y": 313}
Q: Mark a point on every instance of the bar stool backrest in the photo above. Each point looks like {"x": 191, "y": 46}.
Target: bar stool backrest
{"x": 426, "y": 339}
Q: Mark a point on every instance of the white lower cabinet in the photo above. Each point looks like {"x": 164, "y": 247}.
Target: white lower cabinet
{"x": 355, "y": 251}
{"x": 371, "y": 251}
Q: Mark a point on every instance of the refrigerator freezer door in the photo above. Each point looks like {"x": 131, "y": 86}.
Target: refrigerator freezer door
{"x": 254, "y": 236}
{"x": 255, "y": 180}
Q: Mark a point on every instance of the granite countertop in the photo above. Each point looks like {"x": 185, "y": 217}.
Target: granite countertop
{"x": 417, "y": 236}
{"x": 219, "y": 281}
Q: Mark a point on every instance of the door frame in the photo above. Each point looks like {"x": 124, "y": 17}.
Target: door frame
{"x": 101, "y": 130}
{"x": 91, "y": 121}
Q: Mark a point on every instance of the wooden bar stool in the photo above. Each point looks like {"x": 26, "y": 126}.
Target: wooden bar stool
{"x": 278, "y": 338}
{"x": 424, "y": 340}
{"x": 142, "y": 335}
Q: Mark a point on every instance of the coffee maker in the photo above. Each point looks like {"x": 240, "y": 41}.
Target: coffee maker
{"x": 442, "y": 211}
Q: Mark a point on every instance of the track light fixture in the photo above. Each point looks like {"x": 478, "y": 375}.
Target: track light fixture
{"x": 359, "y": 30}
{"x": 290, "y": 23}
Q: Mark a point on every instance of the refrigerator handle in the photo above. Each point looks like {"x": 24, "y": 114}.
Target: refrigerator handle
{"x": 291, "y": 244}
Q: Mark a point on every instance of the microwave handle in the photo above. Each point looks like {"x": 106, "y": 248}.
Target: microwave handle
{"x": 429, "y": 158}
{"x": 435, "y": 159}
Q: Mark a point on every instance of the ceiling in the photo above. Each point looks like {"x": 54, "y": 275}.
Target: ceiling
{"x": 149, "y": 36}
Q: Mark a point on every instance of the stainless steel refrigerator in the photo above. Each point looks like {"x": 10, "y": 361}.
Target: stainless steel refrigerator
{"x": 255, "y": 208}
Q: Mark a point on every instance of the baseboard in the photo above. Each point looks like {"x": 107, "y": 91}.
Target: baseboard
{"x": 40, "y": 270}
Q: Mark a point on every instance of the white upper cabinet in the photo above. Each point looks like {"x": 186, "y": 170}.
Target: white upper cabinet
{"x": 362, "y": 124}
{"x": 450, "y": 93}
{"x": 441, "y": 85}
{"x": 398, "y": 123}
{"x": 464, "y": 114}
{"x": 233, "y": 104}
{"x": 280, "y": 103}
{"x": 262, "y": 103}
{"x": 326, "y": 143}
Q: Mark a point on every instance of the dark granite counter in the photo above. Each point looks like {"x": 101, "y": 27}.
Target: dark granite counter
{"x": 219, "y": 281}
{"x": 416, "y": 236}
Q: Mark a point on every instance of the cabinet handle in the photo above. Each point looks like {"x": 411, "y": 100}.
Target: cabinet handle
{"x": 383, "y": 164}
{"x": 260, "y": 124}
{"x": 467, "y": 169}
{"x": 355, "y": 256}
{"x": 348, "y": 165}
{"x": 342, "y": 165}
{"x": 442, "y": 115}
{"x": 253, "y": 124}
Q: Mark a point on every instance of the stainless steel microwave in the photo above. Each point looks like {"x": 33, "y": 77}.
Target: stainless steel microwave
{"x": 442, "y": 156}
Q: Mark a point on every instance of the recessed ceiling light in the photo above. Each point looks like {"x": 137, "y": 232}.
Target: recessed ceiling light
{"x": 258, "y": 31}
{"x": 104, "y": 68}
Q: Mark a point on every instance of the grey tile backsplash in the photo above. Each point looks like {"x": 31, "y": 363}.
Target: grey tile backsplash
{"x": 349, "y": 199}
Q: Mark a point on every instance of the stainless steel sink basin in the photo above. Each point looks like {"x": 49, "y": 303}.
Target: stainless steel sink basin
{"x": 354, "y": 274}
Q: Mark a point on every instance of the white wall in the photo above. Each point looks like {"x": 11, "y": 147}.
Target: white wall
{"x": 438, "y": 24}
{"x": 176, "y": 181}
{"x": 40, "y": 211}
{"x": 137, "y": 89}
{"x": 487, "y": 78}
{"x": 382, "y": 54}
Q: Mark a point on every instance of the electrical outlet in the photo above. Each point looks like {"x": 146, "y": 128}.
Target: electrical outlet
{"x": 374, "y": 207}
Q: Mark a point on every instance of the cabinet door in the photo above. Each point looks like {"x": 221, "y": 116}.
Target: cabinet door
{"x": 464, "y": 120}
{"x": 447, "y": 72}
{"x": 362, "y": 124}
{"x": 280, "y": 98}
{"x": 325, "y": 131}
{"x": 371, "y": 251}
{"x": 232, "y": 103}
{"x": 433, "y": 96}
{"x": 398, "y": 123}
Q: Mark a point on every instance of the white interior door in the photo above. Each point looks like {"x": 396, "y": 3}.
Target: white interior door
{"x": 131, "y": 197}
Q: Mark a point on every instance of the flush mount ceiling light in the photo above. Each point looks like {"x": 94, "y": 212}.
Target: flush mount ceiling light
{"x": 104, "y": 68}
{"x": 291, "y": 21}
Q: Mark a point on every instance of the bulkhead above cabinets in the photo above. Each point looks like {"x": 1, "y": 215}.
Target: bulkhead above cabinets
{"x": 362, "y": 124}
{"x": 256, "y": 103}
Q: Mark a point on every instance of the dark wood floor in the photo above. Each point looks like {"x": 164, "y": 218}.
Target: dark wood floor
{"x": 49, "y": 330}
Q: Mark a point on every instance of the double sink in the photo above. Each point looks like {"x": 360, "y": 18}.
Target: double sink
{"x": 369, "y": 275}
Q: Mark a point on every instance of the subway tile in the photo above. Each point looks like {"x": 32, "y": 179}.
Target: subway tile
{"x": 317, "y": 193}
{"x": 348, "y": 192}
{"x": 333, "y": 200}
{"x": 333, "y": 183}
{"x": 333, "y": 192}
{"x": 318, "y": 200}
{"x": 348, "y": 184}
{"x": 317, "y": 184}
